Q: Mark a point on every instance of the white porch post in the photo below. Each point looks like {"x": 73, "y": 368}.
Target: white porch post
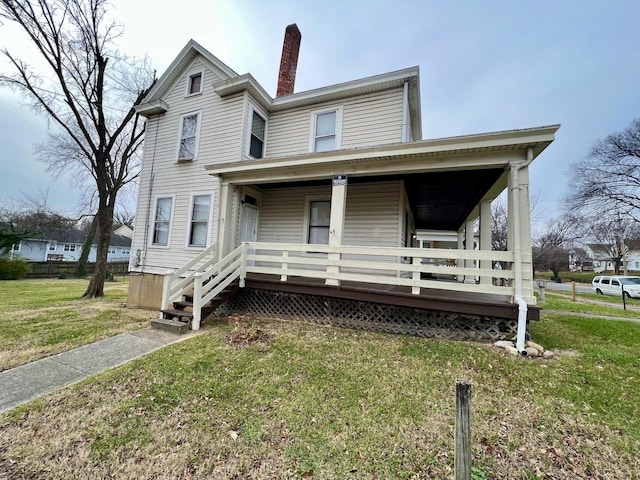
{"x": 469, "y": 240}
{"x": 336, "y": 227}
{"x": 485, "y": 238}
{"x": 460, "y": 263}
{"x": 525, "y": 234}
{"x": 225, "y": 224}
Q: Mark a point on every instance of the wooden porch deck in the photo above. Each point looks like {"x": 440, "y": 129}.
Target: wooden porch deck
{"x": 493, "y": 305}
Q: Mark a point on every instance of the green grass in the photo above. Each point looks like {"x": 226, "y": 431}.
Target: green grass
{"x": 591, "y": 304}
{"x": 340, "y": 403}
{"x": 44, "y": 317}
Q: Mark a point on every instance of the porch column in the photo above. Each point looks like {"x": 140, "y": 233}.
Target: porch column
{"x": 525, "y": 236}
{"x": 485, "y": 238}
{"x": 460, "y": 263}
{"x": 225, "y": 224}
{"x": 336, "y": 226}
{"x": 469, "y": 240}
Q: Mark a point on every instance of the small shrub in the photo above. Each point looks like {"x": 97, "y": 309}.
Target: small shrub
{"x": 13, "y": 268}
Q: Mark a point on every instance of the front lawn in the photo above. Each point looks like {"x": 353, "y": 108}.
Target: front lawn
{"x": 44, "y": 317}
{"x": 274, "y": 399}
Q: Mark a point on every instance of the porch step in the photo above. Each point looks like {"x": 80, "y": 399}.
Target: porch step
{"x": 170, "y": 313}
{"x": 170, "y": 325}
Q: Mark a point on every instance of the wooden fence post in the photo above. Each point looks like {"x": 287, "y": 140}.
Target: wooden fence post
{"x": 463, "y": 430}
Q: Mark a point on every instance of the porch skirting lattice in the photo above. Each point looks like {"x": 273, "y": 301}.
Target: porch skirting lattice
{"x": 367, "y": 315}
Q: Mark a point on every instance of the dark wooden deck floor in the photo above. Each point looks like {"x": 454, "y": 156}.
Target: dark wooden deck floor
{"x": 432, "y": 299}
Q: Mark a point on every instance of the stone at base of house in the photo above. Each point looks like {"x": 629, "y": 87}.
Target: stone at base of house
{"x": 532, "y": 349}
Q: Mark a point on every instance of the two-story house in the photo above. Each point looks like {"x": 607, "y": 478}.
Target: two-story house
{"x": 310, "y": 203}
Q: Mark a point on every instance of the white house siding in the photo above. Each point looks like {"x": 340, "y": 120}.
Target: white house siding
{"x": 373, "y": 119}
{"x": 282, "y": 216}
{"x": 219, "y": 141}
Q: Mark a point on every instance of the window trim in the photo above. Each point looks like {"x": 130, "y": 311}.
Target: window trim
{"x": 261, "y": 114}
{"x": 190, "y": 76}
{"x": 52, "y": 247}
{"x": 187, "y": 239}
{"x": 198, "y": 114}
{"x": 307, "y": 215}
{"x": 13, "y": 247}
{"x": 338, "y": 128}
{"x": 153, "y": 224}
{"x": 72, "y": 247}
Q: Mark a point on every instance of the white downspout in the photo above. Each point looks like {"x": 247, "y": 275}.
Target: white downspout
{"x": 405, "y": 111}
{"x": 517, "y": 256}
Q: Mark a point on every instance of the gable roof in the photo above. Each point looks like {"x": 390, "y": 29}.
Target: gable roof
{"x": 153, "y": 103}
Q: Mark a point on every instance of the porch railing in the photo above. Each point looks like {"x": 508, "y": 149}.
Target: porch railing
{"x": 416, "y": 268}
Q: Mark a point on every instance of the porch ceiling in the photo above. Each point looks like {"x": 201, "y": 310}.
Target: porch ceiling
{"x": 438, "y": 200}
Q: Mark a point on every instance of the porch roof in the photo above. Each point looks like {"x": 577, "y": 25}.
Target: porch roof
{"x": 445, "y": 178}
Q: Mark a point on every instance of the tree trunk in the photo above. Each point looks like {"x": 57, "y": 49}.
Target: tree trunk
{"x": 81, "y": 270}
{"x": 105, "y": 227}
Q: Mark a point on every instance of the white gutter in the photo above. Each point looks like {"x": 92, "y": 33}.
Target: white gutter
{"x": 517, "y": 255}
{"x": 405, "y": 110}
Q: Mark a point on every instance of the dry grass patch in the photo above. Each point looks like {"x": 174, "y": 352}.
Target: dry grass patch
{"x": 338, "y": 404}
{"x": 45, "y": 317}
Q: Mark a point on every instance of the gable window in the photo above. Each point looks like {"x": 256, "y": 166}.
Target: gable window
{"x": 162, "y": 221}
{"x": 256, "y": 143}
{"x": 319, "y": 215}
{"x": 326, "y": 130}
{"x": 69, "y": 248}
{"x": 194, "y": 83}
{"x": 189, "y": 129}
{"x": 199, "y": 224}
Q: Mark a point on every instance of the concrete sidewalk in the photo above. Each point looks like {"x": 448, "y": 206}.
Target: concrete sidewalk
{"x": 28, "y": 382}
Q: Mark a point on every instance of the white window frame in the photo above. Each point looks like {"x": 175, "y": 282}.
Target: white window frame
{"x": 198, "y": 114}
{"x": 125, "y": 251}
{"x": 190, "y": 220}
{"x": 338, "y": 128}
{"x": 307, "y": 214}
{"x": 190, "y": 76}
{"x": 53, "y": 247}
{"x": 69, "y": 247}
{"x": 14, "y": 249}
{"x": 253, "y": 110}
{"x": 112, "y": 251}
{"x": 153, "y": 224}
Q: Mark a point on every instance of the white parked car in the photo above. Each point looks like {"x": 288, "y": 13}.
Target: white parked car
{"x": 613, "y": 285}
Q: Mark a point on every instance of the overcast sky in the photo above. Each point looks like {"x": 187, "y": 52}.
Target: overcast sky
{"x": 484, "y": 66}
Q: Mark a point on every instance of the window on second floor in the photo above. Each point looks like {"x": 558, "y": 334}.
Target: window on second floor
{"x": 162, "y": 221}
{"x": 256, "y": 142}
{"x": 326, "y": 130}
{"x": 199, "y": 224}
{"x": 189, "y": 130}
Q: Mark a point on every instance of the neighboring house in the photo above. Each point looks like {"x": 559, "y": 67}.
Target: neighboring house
{"x": 600, "y": 256}
{"x": 311, "y": 201}
{"x": 66, "y": 245}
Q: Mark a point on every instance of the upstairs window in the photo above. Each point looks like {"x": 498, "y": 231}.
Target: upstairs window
{"x": 189, "y": 130}
{"x": 194, "y": 83}
{"x": 326, "y": 130}
{"x": 199, "y": 226}
{"x": 319, "y": 215}
{"x": 256, "y": 143}
{"x": 162, "y": 221}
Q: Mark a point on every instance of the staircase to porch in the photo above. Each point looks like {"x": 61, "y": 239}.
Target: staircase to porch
{"x": 197, "y": 289}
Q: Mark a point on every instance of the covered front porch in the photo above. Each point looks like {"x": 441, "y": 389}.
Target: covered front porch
{"x": 445, "y": 185}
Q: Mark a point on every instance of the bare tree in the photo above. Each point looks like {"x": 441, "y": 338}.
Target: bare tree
{"x": 88, "y": 89}
{"x": 608, "y": 180}
{"x": 550, "y": 248}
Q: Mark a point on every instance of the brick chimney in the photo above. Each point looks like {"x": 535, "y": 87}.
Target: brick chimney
{"x": 289, "y": 61}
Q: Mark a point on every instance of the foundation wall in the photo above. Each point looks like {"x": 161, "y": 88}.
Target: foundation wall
{"x": 145, "y": 291}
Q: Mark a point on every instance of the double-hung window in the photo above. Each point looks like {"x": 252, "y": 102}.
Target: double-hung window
{"x": 199, "y": 223}
{"x": 162, "y": 221}
{"x": 319, "y": 215}
{"x": 326, "y": 130}
{"x": 256, "y": 142}
{"x": 189, "y": 131}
